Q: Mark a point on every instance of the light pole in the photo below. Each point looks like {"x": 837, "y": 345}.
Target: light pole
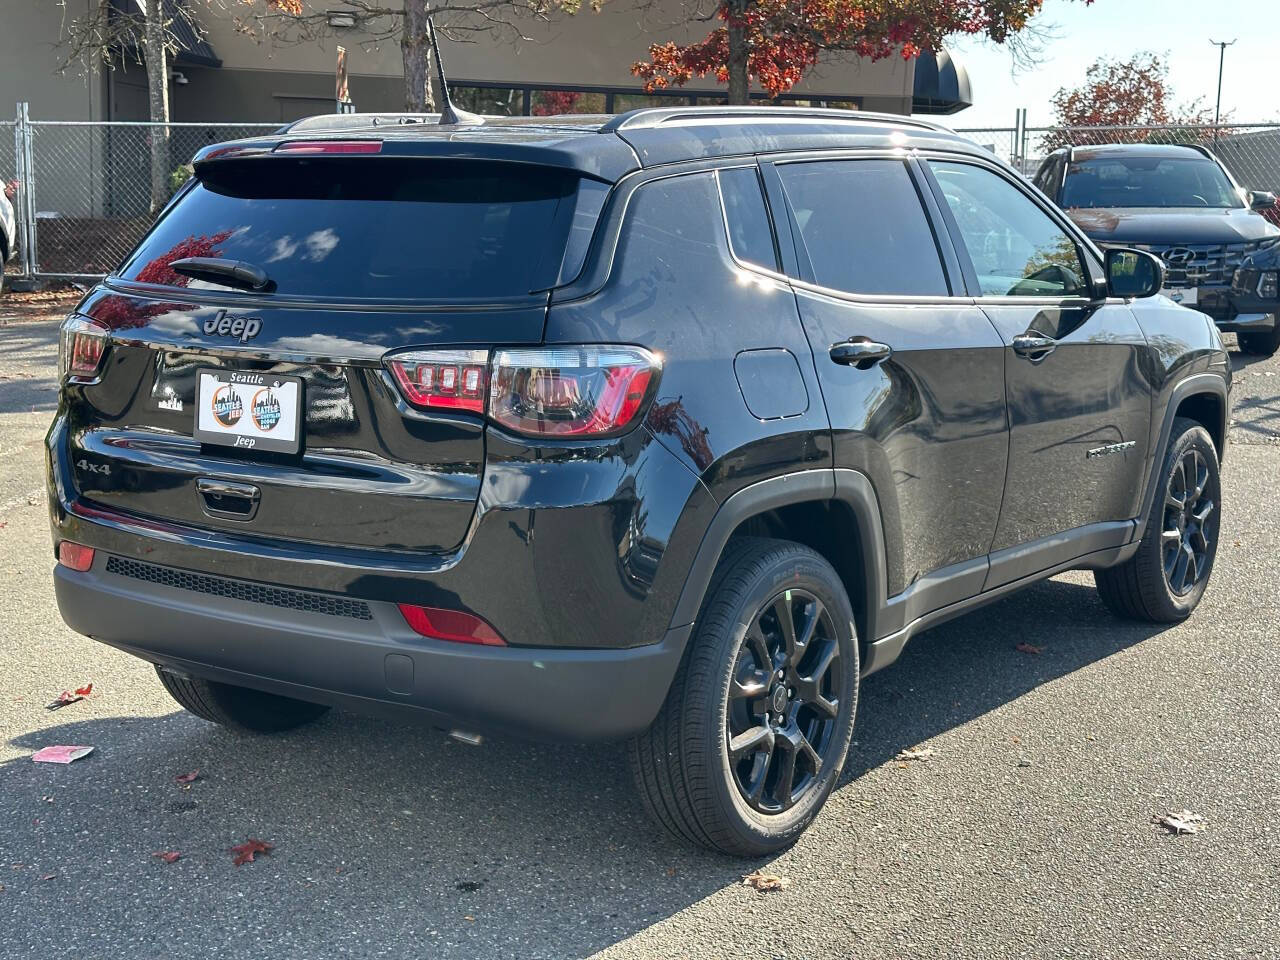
{"x": 1217, "y": 109}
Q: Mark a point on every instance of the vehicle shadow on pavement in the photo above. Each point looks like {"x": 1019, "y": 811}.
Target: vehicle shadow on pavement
{"x": 388, "y": 835}
{"x": 1255, "y": 400}
{"x": 970, "y": 666}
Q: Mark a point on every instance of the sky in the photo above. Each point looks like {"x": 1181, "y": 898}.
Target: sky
{"x": 1178, "y": 29}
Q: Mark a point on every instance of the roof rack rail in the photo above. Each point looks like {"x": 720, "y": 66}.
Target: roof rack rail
{"x": 1201, "y": 148}
{"x": 649, "y": 117}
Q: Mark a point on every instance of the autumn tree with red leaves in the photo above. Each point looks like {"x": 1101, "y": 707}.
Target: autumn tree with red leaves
{"x": 775, "y": 41}
{"x": 1124, "y": 93}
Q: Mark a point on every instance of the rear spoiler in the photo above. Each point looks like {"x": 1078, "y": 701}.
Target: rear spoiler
{"x": 605, "y": 158}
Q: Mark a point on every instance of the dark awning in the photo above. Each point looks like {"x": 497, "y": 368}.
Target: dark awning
{"x": 942, "y": 84}
{"x": 192, "y": 48}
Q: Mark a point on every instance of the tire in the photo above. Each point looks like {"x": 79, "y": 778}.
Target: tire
{"x": 1263, "y": 342}
{"x": 238, "y": 708}
{"x": 1154, "y": 585}
{"x": 681, "y": 764}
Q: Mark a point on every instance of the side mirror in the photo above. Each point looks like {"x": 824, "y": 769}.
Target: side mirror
{"x": 1133, "y": 273}
{"x": 1261, "y": 199}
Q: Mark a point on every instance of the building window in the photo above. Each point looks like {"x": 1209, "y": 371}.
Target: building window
{"x": 491, "y": 101}
{"x": 549, "y": 103}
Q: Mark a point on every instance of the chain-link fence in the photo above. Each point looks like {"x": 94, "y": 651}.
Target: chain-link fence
{"x": 86, "y": 190}
{"x": 84, "y": 196}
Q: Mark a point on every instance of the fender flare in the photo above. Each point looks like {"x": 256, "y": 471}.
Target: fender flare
{"x": 1199, "y": 383}
{"x": 847, "y": 486}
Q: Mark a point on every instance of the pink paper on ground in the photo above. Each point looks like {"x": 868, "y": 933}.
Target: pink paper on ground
{"x": 60, "y": 754}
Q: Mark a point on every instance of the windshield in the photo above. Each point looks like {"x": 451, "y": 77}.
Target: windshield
{"x": 1148, "y": 182}
{"x": 371, "y": 229}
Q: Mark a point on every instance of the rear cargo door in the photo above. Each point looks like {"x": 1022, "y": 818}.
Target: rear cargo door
{"x": 363, "y": 255}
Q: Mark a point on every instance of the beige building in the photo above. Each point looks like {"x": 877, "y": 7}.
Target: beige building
{"x": 91, "y": 186}
{"x": 579, "y": 63}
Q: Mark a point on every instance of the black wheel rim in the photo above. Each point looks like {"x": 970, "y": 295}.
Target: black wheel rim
{"x": 1190, "y": 516}
{"x": 784, "y": 701}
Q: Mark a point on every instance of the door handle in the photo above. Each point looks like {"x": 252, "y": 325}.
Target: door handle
{"x": 1033, "y": 346}
{"x": 860, "y": 352}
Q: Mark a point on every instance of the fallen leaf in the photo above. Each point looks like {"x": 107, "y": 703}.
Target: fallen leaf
{"x": 168, "y": 856}
{"x": 186, "y": 778}
{"x": 469, "y": 918}
{"x": 763, "y": 881}
{"x": 48, "y": 876}
{"x": 1028, "y": 648}
{"x": 85, "y": 690}
{"x": 923, "y": 754}
{"x": 671, "y": 871}
{"x": 1184, "y": 821}
{"x": 245, "y": 851}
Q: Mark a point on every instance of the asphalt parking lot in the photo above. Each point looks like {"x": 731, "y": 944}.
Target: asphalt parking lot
{"x": 1029, "y": 832}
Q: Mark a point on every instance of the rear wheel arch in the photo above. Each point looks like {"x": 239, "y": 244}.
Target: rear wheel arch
{"x": 833, "y": 512}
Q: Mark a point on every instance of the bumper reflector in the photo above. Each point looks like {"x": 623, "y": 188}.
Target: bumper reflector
{"x": 75, "y": 556}
{"x": 452, "y": 625}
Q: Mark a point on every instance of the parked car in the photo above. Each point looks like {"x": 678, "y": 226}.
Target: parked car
{"x": 668, "y": 428}
{"x": 1180, "y": 203}
{"x": 8, "y": 235}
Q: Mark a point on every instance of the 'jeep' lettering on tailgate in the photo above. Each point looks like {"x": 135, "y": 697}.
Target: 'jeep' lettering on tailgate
{"x": 242, "y": 328}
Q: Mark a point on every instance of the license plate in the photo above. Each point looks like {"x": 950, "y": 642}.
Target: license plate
{"x": 1187, "y": 296}
{"x": 252, "y": 411}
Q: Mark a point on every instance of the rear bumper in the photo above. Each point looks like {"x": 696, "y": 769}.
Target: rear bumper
{"x": 369, "y": 660}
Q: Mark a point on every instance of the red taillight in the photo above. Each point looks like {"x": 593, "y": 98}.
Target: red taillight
{"x": 330, "y": 146}
{"x": 587, "y": 391}
{"x": 442, "y": 379}
{"x": 590, "y": 391}
{"x": 452, "y": 625}
{"x": 81, "y": 346}
{"x": 75, "y": 555}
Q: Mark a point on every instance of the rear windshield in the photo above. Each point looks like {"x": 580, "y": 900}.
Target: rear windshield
{"x": 1148, "y": 182}
{"x": 363, "y": 228}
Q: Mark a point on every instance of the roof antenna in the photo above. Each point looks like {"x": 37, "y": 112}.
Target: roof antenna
{"x": 448, "y": 113}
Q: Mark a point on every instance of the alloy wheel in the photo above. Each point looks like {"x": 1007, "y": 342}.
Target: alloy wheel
{"x": 1189, "y": 523}
{"x": 784, "y": 700}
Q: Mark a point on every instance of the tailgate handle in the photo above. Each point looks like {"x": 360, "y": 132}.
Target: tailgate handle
{"x": 227, "y": 499}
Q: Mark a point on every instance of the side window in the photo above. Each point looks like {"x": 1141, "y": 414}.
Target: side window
{"x": 1016, "y": 248}
{"x": 750, "y": 233}
{"x": 863, "y": 227}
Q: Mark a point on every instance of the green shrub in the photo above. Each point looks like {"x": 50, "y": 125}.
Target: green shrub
{"x": 178, "y": 176}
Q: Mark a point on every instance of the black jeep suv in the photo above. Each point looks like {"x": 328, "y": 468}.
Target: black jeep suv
{"x": 1180, "y": 203}
{"x": 667, "y": 427}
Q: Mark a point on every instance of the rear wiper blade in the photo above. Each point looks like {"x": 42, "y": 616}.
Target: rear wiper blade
{"x": 228, "y": 272}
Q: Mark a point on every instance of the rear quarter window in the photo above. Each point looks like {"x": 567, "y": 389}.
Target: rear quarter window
{"x": 385, "y": 228}
{"x": 747, "y": 217}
